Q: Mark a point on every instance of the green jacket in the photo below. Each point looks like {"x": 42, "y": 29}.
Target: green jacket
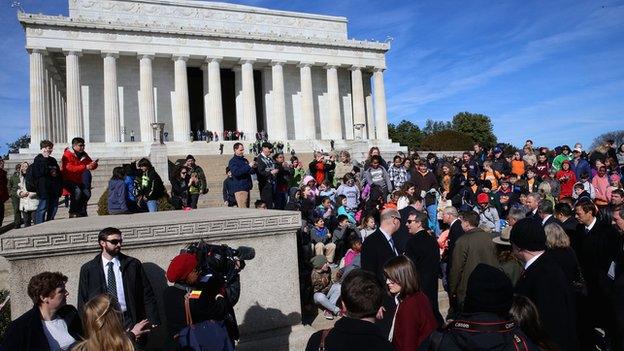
{"x": 558, "y": 161}
{"x": 472, "y": 248}
{"x": 203, "y": 189}
{"x": 14, "y": 185}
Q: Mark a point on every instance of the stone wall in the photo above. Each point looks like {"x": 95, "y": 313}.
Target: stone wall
{"x": 270, "y": 284}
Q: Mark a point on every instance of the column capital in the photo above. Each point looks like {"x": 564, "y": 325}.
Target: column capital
{"x": 379, "y": 69}
{"x": 73, "y": 52}
{"x": 355, "y": 68}
{"x": 214, "y": 59}
{"x": 180, "y": 57}
{"x": 42, "y": 51}
{"x": 243, "y": 61}
{"x": 304, "y": 64}
{"x": 147, "y": 55}
{"x": 277, "y": 63}
{"x": 331, "y": 65}
{"x": 110, "y": 54}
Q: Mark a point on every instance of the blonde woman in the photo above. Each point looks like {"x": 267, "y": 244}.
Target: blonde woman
{"x": 558, "y": 248}
{"x": 103, "y": 327}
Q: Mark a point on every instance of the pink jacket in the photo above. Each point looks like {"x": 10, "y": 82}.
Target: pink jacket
{"x": 603, "y": 190}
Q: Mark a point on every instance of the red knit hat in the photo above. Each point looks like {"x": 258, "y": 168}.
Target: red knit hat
{"x": 181, "y": 266}
{"x": 483, "y": 198}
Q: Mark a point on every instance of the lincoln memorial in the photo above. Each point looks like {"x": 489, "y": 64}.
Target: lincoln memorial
{"x": 113, "y": 67}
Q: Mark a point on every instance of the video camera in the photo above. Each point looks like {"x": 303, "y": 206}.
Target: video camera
{"x": 220, "y": 259}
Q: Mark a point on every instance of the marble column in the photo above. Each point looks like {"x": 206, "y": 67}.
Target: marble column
{"x": 59, "y": 114}
{"x": 48, "y": 106}
{"x": 249, "y": 100}
{"x": 381, "y": 117}
{"x": 53, "y": 109}
{"x": 307, "y": 130}
{"x": 214, "y": 117}
{"x": 112, "y": 128}
{"x": 182, "y": 114}
{"x": 37, "y": 98}
{"x": 238, "y": 92}
{"x": 368, "y": 100}
{"x": 278, "y": 130}
{"x": 357, "y": 94}
{"x": 334, "y": 127}
{"x": 74, "y": 99}
{"x": 63, "y": 118}
{"x": 147, "y": 108}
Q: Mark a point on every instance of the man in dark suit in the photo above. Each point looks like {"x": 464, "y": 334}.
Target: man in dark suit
{"x": 545, "y": 213}
{"x": 532, "y": 203}
{"x": 402, "y": 236}
{"x": 618, "y": 287}
{"x": 121, "y": 277}
{"x": 377, "y": 249}
{"x": 422, "y": 248}
{"x": 597, "y": 245}
{"x": 544, "y": 282}
{"x": 565, "y": 214}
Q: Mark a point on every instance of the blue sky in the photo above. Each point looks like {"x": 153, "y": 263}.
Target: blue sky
{"x": 552, "y": 71}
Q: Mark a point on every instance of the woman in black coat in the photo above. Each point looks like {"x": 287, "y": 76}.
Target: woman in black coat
{"x": 558, "y": 248}
{"x": 50, "y": 311}
{"x": 180, "y": 188}
{"x": 150, "y": 186}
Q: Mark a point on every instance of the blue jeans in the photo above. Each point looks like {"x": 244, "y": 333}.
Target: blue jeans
{"x": 432, "y": 212}
{"x": 152, "y": 205}
{"x": 329, "y": 301}
{"x": 46, "y": 210}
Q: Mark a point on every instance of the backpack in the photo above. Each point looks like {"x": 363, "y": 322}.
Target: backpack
{"x": 209, "y": 335}
{"x": 29, "y": 179}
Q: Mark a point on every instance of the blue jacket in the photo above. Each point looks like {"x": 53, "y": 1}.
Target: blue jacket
{"x": 117, "y": 197}
{"x": 580, "y": 168}
{"x": 241, "y": 174}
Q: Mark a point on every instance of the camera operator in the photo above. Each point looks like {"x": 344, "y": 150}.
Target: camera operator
{"x": 208, "y": 299}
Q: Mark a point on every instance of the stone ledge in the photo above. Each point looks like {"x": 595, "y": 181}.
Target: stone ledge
{"x": 60, "y": 237}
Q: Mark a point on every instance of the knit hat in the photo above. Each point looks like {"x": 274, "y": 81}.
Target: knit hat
{"x": 483, "y": 198}
{"x": 488, "y": 290}
{"x": 528, "y": 234}
{"x": 181, "y": 266}
{"x": 318, "y": 261}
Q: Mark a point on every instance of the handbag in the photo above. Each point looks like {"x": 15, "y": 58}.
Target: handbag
{"x": 209, "y": 335}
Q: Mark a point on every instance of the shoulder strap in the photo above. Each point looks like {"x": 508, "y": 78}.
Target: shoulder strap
{"x": 324, "y": 334}
{"x": 187, "y": 310}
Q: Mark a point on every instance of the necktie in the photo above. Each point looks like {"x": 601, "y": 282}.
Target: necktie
{"x": 111, "y": 284}
{"x": 392, "y": 246}
{"x": 586, "y": 231}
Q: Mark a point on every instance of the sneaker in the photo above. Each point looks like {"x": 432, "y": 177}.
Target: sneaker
{"x": 328, "y": 315}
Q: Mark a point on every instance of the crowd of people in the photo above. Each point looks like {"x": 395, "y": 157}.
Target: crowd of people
{"x": 528, "y": 244}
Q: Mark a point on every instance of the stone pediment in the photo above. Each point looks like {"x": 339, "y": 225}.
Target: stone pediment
{"x": 210, "y": 15}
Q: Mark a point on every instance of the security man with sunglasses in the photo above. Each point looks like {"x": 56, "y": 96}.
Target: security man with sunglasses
{"x": 121, "y": 277}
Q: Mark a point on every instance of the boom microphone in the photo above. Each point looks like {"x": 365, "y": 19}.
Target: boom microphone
{"x": 245, "y": 253}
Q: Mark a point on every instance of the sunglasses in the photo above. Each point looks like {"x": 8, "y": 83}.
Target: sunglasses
{"x": 115, "y": 241}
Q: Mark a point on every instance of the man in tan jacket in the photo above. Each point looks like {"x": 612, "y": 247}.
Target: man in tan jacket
{"x": 472, "y": 248}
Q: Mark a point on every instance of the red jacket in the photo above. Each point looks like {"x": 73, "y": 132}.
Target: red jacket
{"x": 414, "y": 322}
{"x": 567, "y": 179}
{"x": 72, "y": 167}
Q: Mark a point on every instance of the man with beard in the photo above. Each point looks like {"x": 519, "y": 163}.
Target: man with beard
{"x": 121, "y": 277}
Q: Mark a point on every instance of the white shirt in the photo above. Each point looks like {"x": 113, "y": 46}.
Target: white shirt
{"x": 545, "y": 219}
{"x": 121, "y": 297}
{"x": 57, "y": 334}
{"x": 389, "y": 237}
{"x": 591, "y": 225}
{"x": 533, "y": 259}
